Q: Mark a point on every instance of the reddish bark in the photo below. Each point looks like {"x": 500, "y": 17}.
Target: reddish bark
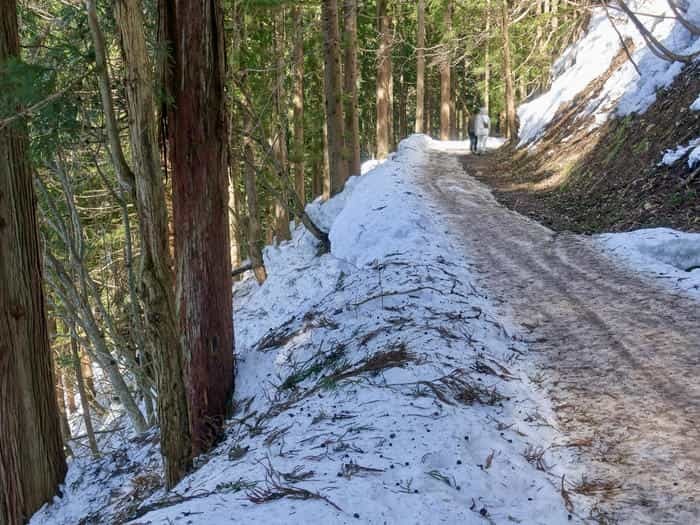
{"x": 197, "y": 145}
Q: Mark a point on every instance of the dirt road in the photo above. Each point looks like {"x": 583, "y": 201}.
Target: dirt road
{"x": 620, "y": 357}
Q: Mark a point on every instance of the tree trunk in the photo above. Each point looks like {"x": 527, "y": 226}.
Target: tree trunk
{"x": 326, "y": 179}
{"x": 352, "y": 116}
{"x": 420, "y": 69}
{"x": 197, "y": 146}
{"x": 32, "y": 462}
{"x": 61, "y": 399}
{"x": 298, "y": 104}
{"x": 126, "y": 179}
{"x": 383, "y": 80}
{"x": 234, "y": 207}
{"x": 279, "y": 145}
{"x": 82, "y": 392}
{"x": 69, "y": 389}
{"x": 158, "y": 278}
{"x": 337, "y": 157}
{"x": 428, "y": 108}
{"x": 392, "y": 132}
{"x": 88, "y": 378}
{"x": 453, "y": 107}
{"x": 487, "y": 58}
{"x": 317, "y": 176}
{"x": 511, "y": 126}
{"x": 235, "y": 196}
{"x": 124, "y": 174}
{"x": 445, "y": 77}
{"x": 254, "y": 233}
{"x": 59, "y": 383}
{"x": 403, "y": 101}
{"x": 251, "y": 192}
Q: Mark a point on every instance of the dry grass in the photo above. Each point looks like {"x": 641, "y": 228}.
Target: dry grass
{"x": 276, "y": 488}
{"x": 596, "y": 487}
{"x": 455, "y": 388}
{"x": 535, "y": 456}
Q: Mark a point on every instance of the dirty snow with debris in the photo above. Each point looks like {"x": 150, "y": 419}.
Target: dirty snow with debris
{"x": 625, "y": 91}
{"x": 692, "y": 150}
{"x": 668, "y": 256}
{"x": 374, "y": 384}
{"x": 695, "y": 106}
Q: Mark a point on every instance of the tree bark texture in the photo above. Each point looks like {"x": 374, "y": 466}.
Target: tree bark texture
{"x": 32, "y": 462}
{"x": 420, "y": 69}
{"x": 298, "y": 165}
{"x": 384, "y": 74}
{"x": 487, "y": 58}
{"x": 445, "y": 78}
{"x": 511, "y": 126}
{"x": 158, "y": 279}
{"x": 197, "y": 146}
{"x": 82, "y": 392}
{"x": 279, "y": 145}
{"x": 251, "y": 192}
{"x": 337, "y": 158}
{"x": 351, "y": 72}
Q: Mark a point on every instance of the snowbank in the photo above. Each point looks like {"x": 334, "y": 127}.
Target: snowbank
{"x": 374, "y": 385}
{"x": 625, "y": 91}
{"x": 692, "y": 150}
{"x": 670, "y": 256}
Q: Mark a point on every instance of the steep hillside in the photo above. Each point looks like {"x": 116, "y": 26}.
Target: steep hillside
{"x": 606, "y": 149}
{"x": 375, "y": 384}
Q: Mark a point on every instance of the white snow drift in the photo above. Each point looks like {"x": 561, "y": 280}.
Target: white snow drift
{"x": 625, "y": 91}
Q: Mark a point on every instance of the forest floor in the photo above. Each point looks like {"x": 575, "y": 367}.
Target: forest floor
{"x": 618, "y": 353}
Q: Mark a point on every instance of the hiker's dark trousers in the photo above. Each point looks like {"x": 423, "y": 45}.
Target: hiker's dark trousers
{"x": 472, "y": 142}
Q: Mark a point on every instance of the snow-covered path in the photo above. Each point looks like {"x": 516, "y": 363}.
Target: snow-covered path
{"x": 619, "y": 356}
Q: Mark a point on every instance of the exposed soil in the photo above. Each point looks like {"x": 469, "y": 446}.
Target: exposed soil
{"x": 608, "y": 180}
{"x": 618, "y": 356}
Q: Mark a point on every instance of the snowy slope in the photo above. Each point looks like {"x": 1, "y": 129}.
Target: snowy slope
{"x": 670, "y": 257}
{"x": 374, "y": 385}
{"x": 625, "y": 91}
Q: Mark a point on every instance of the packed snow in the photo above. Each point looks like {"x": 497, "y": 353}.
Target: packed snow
{"x": 625, "y": 91}
{"x": 671, "y": 257}
{"x": 374, "y": 384}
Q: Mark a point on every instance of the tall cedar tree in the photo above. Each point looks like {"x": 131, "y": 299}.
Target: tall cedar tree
{"x": 158, "y": 280}
{"x": 445, "y": 77}
{"x": 487, "y": 57}
{"x": 509, "y": 92}
{"x": 32, "y": 464}
{"x": 420, "y": 68}
{"x": 338, "y": 164}
{"x": 298, "y": 104}
{"x": 350, "y": 70}
{"x": 197, "y": 145}
{"x": 281, "y": 226}
{"x": 384, "y": 80}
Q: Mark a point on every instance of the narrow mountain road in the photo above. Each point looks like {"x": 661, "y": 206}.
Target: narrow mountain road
{"x": 618, "y": 356}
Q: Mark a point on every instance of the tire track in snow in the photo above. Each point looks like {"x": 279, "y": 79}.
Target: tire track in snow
{"x": 620, "y": 355}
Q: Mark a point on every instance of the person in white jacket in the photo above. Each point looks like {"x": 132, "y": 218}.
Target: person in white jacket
{"x": 482, "y": 128}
